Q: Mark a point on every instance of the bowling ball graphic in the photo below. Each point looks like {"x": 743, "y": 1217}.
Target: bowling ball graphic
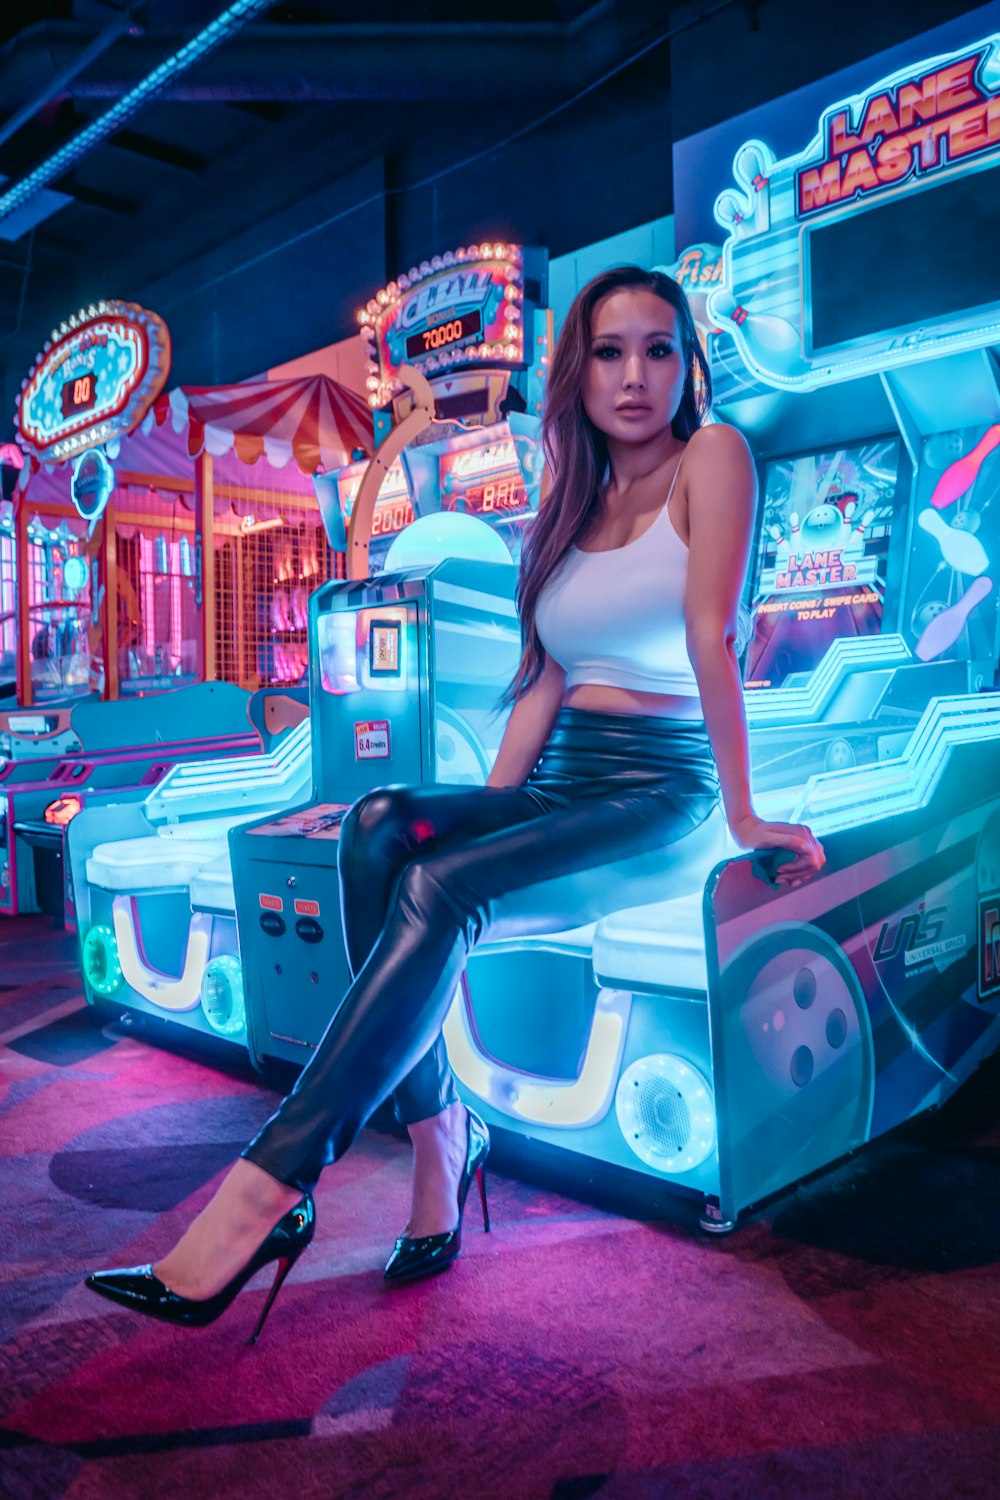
{"x": 462, "y": 760}
{"x": 839, "y": 756}
{"x": 927, "y": 612}
{"x": 822, "y": 529}
{"x": 942, "y": 449}
{"x": 797, "y": 1057}
{"x": 966, "y": 520}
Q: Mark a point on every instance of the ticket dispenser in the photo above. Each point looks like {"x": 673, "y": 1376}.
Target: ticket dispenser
{"x": 406, "y": 673}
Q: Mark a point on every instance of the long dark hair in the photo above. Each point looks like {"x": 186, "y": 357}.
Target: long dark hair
{"x": 577, "y": 451}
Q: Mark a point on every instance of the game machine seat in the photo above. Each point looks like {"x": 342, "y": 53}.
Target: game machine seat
{"x": 155, "y": 932}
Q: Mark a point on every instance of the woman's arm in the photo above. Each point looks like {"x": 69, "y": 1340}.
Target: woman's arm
{"x": 722, "y": 493}
{"x": 528, "y": 727}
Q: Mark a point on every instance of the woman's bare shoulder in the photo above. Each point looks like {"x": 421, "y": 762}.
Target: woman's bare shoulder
{"x": 718, "y": 441}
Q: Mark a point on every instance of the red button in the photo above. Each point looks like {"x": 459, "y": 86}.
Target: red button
{"x": 272, "y": 903}
{"x": 306, "y": 908}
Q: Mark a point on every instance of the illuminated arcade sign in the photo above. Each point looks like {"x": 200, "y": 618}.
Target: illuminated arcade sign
{"x": 485, "y": 480}
{"x": 459, "y": 309}
{"x": 92, "y": 484}
{"x": 393, "y": 506}
{"x": 829, "y": 261}
{"x": 95, "y": 380}
{"x": 918, "y": 126}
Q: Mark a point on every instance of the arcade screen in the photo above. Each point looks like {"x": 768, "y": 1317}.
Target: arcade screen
{"x": 393, "y": 508}
{"x": 486, "y": 481}
{"x": 822, "y": 555}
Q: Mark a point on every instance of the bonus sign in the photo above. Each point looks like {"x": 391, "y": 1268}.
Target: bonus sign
{"x": 464, "y": 308}
{"x": 95, "y": 380}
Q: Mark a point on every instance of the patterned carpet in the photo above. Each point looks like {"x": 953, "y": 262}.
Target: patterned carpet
{"x": 844, "y": 1344}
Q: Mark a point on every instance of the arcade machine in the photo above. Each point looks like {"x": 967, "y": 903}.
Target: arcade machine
{"x": 154, "y": 903}
{"x": 725, "y": 1044}
{"x": 158, "y": 897}
{"x": 407, "y": 665}
{"x": 136, "y": 745}
{"x": 155, "y": 900}
{"x": 162, "y": 558}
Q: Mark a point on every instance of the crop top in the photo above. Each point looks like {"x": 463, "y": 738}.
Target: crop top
{"x": 616, "y": 618}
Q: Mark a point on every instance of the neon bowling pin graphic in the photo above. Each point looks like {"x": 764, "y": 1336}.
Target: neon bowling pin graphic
{"x": 960, "y": 476}
{"x": 752, "y": 168}
{"x": 944, "y": 630}
{"x": 961, "y": 550}
{"x": 731, "y": 212}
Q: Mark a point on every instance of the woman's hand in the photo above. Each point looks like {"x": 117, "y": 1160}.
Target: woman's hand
{"x": 807, "y": 852}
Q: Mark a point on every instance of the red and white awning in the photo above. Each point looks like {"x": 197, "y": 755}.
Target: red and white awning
{"x": 312, "y": 419}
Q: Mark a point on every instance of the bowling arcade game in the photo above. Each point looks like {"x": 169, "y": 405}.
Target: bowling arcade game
{"x": 407, "y": 664}
{"x": 735, "y": 1039}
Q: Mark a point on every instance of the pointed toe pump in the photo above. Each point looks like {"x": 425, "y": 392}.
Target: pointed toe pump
{"x": 413, "y": 1258}
{"x": 137, "y": 1288}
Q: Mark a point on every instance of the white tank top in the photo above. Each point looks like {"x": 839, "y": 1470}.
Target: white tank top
{"x": 616, "y": 618}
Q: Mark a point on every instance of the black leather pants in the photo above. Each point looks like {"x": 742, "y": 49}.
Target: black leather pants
{"x": 617, "y": 813}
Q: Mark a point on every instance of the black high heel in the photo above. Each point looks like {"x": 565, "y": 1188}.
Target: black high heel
{"x": 413, "y": 1258}
{"x": 137, "y": 1288}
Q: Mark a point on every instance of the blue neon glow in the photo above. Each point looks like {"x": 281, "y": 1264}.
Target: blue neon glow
{"x": 804, "y": 703}
{"x": 232, "y": 19}
{"x": 836, "y": 800}
{"x": 764, "y": 300}
{"x": 251, "y": 782}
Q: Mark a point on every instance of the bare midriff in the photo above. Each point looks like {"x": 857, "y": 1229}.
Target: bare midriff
{"x": 596, "y": 698}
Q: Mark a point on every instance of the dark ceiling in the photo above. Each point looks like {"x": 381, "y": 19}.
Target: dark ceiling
{"x": 320, "y": 148}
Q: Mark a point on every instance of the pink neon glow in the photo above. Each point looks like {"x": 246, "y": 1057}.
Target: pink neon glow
{"x": 961, "y": 475}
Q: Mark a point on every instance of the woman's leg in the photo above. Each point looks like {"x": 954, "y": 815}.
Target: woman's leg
{"x": 383, "y": 831}
{"x": 560, "y": 869}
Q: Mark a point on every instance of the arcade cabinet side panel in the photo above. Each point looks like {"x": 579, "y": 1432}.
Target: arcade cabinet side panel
{"x": 288, "y": 916}
{"x": 863, "y": 998}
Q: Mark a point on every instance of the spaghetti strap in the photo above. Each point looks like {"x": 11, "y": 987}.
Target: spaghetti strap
{"x": 670, "y": 491}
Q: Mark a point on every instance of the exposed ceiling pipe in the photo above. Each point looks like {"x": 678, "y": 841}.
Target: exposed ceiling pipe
{"x": 350, "y": 63}
{"x": 210, "y": 37}
{"x": 64, "y": 78}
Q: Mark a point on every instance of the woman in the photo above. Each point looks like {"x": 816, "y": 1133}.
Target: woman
{"x": 627, "y": 720}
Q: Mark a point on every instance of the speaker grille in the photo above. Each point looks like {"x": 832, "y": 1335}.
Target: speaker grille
{"x": 666, "y": 1113}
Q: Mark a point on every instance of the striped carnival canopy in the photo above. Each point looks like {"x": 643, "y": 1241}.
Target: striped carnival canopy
{"x": 312, "y": 419}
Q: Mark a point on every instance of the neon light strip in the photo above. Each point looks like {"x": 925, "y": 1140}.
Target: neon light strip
{"x": 168, "y": 992}
{"x": 545, "y": 1101}
{"x": 793, "y": 705}
{"x": 190, "y": 781}
{"x": 836, "y": 800}
{"x": 231, "y": 19}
